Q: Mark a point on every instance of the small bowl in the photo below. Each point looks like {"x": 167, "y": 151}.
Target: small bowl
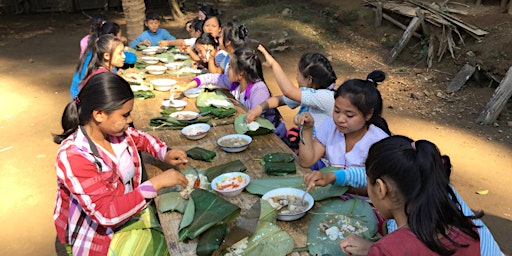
{"x": 290, "y": 192}
{"x": 173, "y": 66}
{"x": 149, "y": 60}
{"x": 149, "y": 51}
{"x": 192, "y": 93}
{"x": 156, "y": 70}
{"x": 177, "y": 104}
{"x": 195, "y": 131}
{"x": 234, "y": 142}
{"x": 231, "y": 184}
{"x": 185, "y": 115}
{"x": 163, "y": 84}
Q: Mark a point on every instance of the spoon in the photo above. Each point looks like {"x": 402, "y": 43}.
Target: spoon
{"x": 300, "y": 135}
{"x": 197, "y": 182}
{"x": 304, "y": 197}
{"x": 171, "y": 98}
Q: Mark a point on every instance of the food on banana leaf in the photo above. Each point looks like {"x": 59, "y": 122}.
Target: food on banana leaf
{"x": 264, "y": 126}
{"x": 210, "y": 240}
{"x": 191, "y": 177}
{"x": 233, "y": 166}
{"x": 336, "y": 220}
{"x": 202, "y": 154}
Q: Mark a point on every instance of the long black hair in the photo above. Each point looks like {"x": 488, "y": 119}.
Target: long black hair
{"x": 318, "y": 67}
{"x": 105, "y": 44}
{"x": 247, "y": 61}
{"x": 97, "y": 22}
{"x": 105, "y": 91}
{"x": 364, "y": 95}
{"x": 235, "y": 33}
{"x": 419, "y": 173}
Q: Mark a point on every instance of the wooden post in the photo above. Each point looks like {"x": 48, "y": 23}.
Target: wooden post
{"x": 503, "y": 3}
{"x": 498, "y": 101}
{"x": 510, "y": 7}
{"x": 478, "y": 2}
{"x": 424, "y": 27}
{"x": 415, "y": 22}
{"x": 378, "y": 14}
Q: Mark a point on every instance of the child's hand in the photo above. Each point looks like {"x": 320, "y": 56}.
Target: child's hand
{"x": 305, "y": 120}
{"x": 146, "y": 42}
{"x": 355, "y": 245}
{"x": 163, "y": 43}
{"x": 253, "y": 114}
{"x": 176, "y": 157}
{"x": 313, "y": 179}
{"x": 269, "y": 60}
{"x": 169, "y": 178}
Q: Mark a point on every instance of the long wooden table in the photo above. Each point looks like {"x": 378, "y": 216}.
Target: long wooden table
{"x": 146, "y": 109}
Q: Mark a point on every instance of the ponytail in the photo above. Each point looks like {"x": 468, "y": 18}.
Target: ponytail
{"x": 366, "y": 97}
{"x": 418, "y": 172}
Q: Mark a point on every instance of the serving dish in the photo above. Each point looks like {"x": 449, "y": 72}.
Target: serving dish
{"x": 230, "y": 184}
{"x": 288, "y": 203}
{"x": 195, "y": 131}
{"x": 163, "y": 84}
{"x": 234, "y": 142}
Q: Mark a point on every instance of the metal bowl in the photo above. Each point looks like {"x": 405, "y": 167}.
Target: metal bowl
{"x": 241, "y": 142}
{"x": 290, "y": 192}
{"x": 239, "y": 180}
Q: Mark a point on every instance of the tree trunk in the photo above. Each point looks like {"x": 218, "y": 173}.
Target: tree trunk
{"x": 134, "y": 13}
{"x": 176, "y": 12}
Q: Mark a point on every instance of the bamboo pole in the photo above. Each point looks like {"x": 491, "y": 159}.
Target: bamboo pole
{"x": 415, "y": 22}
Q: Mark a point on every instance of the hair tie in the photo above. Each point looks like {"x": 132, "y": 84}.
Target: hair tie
{"x": 76, "y": 100}
{"x": 413, "y": 145}
{"x": 371, "y": 80}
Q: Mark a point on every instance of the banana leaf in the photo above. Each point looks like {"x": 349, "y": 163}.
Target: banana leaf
{"x": 210, "y": 240}
{"x": 217, "y": 112}
{"x": 233, "y": 166}
{"x": 244, "y": 227}
{"x": 216, "y": 98}
{"x": 268, "y": 238}
{"x": 141, "y": 95}
{"x": 208, "y": 210}
{"x": 202, "y": 154}
{"x": 278, "y": 157}
{"x": 263, "y": 185}
{"x": 265, "y": 126}
{"x": 171, "y": 201}
{"x": 353, "y": 216}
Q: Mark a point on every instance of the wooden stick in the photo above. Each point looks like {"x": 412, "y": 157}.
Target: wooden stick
{"x": 415, "y": 22}
{"x": 378, "y": 14}
{"x": 424, "y": 27}
{"x": 398, "y": 24}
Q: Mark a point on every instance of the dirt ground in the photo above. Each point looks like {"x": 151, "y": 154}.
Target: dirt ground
{"x": 38, "y": 54}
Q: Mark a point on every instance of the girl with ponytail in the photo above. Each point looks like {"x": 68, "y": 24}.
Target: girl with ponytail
{"x": 343, "y": 140}
{"x": 407, "y": 182}
{"x": 99, "y": 172}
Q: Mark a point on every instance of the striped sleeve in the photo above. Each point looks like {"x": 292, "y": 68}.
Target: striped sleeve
{"x": 147, "y": 190}
{"x": 351, "y": 176}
